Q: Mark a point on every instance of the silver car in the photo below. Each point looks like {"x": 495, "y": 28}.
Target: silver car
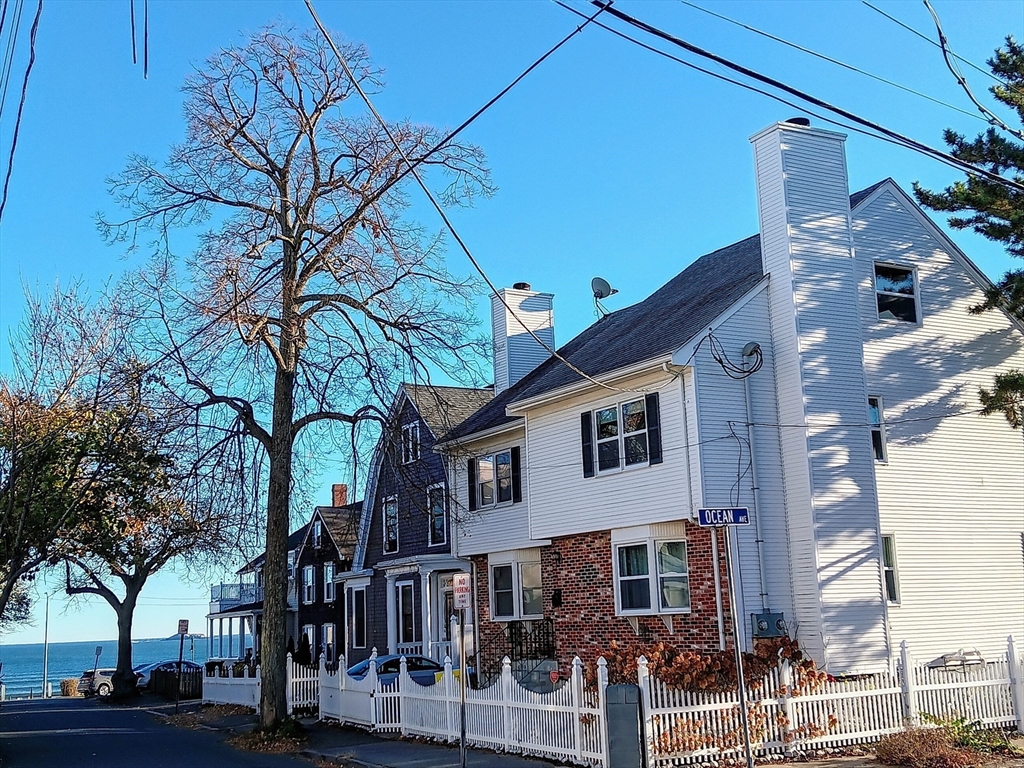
{"x": 100, "y": 684}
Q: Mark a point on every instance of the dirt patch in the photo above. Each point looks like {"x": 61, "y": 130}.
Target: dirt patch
{"x": 258, "y": 741}
{"x": 209, "y": 715}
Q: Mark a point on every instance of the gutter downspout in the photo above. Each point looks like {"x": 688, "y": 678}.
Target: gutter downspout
{"x": 755, "y": 487}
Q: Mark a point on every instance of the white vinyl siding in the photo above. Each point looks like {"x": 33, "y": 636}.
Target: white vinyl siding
{"x": 814, "y": 286}
{"x": 497, "y": 528}
{"x": 721, "y": 401}
{"x": 568, "y": 503}
{"x": 952, "y": 494}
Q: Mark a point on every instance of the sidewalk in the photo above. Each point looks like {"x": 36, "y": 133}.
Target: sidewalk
{"x": 355, "y": 748}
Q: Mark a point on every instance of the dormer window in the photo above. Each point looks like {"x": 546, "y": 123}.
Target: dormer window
{"x": 896, "y": 293}
{"x": 410, "y": 443}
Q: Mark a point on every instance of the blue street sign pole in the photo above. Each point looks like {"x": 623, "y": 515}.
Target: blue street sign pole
{"x": 726, "y": 519}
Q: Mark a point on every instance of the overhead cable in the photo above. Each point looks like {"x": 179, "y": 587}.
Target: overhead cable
{"x": 437, "y": 206}
{"x": 925, "y": 37}
{"x": 753, "y": 74}
{"x": 829, "y": 59}
{"x": 21, "y": 106}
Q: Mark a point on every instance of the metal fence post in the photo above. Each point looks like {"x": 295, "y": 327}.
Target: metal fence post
{"x": 288, "y": 681}
{"x": 1016, "y": 666}
{"x": 907, "y": 683}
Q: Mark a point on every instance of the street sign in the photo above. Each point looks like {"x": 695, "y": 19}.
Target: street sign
{"x": 182, "y": 626}
{"x": 99, "y": 650}
{"x": 723, "y": 516}
{"x": 462, "y": 590}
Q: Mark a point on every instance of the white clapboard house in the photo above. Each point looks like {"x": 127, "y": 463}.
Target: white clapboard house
{"x": 824, "y": 373}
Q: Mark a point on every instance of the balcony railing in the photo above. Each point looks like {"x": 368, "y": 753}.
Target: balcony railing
{"x": 225, "y": 596}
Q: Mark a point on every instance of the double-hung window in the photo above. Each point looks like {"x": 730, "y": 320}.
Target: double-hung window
{"x": 410, "y": 443}
{"x": 327, "y": 642}
{"x": 896, "y": 293}
{"x": 308, "y": 584}
{"x": 652, "y": 577}
{"x": 391, "y": 525}
{"x": 437, "y": 515}
{"x": 359, "y": 617}
{"x": 329, "y": 582}
{"x": 406, "y": 614}
{"x": 621, "y": 435}
{"x": 516, "y": 587}
{"x": 495, "y": 478}
{"x": 317, "y": 533}
{"x": 875, "y": 418}
{"x": 892, "y": 584}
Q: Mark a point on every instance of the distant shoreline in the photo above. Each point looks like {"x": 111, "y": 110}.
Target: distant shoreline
{"x": 113, "y": 640}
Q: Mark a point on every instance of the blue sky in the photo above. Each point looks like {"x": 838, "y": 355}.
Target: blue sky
{"x": 608, "y": 160}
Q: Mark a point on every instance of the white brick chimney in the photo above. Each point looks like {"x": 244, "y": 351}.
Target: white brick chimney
{"x": 516, "y": 352}
{"x": 831, "y": 498}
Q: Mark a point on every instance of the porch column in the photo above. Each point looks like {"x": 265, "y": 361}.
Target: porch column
{"x": 426, "y": 634}
{"x": 241, "y": 637}
{"x": 392, "y": 618}
{"x": 220, "y": 637}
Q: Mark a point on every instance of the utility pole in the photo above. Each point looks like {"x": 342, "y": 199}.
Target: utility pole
{"x": 46, "y": 644}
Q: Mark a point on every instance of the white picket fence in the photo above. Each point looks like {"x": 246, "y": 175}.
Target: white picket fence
{"x": 566, "y": 724}
{"x": 302, "y": 686}
{"x": 787, "y": 717}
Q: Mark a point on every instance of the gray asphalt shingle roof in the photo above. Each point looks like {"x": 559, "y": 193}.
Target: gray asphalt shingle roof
{"x": 656, "y": 326}
{"x": 443, "y": 408}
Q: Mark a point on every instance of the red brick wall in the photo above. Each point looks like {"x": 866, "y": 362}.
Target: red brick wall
{"x": 585, "y": 623}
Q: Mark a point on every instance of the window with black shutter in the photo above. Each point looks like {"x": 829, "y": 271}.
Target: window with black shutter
{"x": 622, "y": 435}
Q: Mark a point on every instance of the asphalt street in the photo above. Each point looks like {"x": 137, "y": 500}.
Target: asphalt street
{"x": 86, "y": 733}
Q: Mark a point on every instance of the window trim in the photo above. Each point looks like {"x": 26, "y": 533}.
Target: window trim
{"x": 333, "y": 643}
{"x": 894, "y": 568}
{"x": 410, "y": 442}
{"x": 879, "y": 428}
{"x": 355, "y": 619}
{"x": 384, "y": 543}
{"x": 916, "y": 295}
{"x": 430, "y": 515}
{"x": 317, "y": 534}
{"x": 620, "y": 437}
{"x": 516, "y": 563}
{"x": 308, "y": 587}
{"x": 400, "y": 592}
{"x": 654, "y": 576}
{"x": 330, "y": 593}
{"x": 311, "y": 635}
{"x": 493, "y": 456}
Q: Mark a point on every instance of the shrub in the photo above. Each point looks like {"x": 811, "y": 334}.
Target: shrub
{"x": 69, "y": 686}
{"x": 923, "y": 748}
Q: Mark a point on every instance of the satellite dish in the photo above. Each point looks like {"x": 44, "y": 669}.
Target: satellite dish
{"x": 601, "y": 288}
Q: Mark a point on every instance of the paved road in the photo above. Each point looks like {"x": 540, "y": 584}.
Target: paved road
{"x": 85, "y": 733}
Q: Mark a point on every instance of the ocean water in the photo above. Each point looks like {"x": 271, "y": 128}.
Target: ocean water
{"x": 23, "y": 664}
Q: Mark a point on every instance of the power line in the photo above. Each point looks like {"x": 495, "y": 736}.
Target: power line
{"x": 12, "y": 42}
{"x": 440, "y": 210}
{"x": 733, "y": 81}
{"x": 928, "y": 39}
{"x": 21, "y": 106}
{"x": 753, "y": 74}
{"x": 831, "y": 60}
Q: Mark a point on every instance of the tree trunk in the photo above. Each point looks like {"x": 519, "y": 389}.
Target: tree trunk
{"x": 124, "y": 678}
{"x": 274, "y": 634}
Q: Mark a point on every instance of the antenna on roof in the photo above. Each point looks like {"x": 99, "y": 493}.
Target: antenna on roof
{"x": 602, "y": 290}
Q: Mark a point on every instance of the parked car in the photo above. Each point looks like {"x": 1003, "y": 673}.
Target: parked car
{"x": 100, "y": 684}
{"x": 423, "y": 670}
{"x": 143, "y": 671}
{"x": 172, "y": 666}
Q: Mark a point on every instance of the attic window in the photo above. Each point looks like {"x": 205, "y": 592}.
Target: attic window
{"x": 410, "y": 443}
{"x": 896, "y": 293}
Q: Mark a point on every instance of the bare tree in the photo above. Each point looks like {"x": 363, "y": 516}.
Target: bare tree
{"x": 166, "y": 506}
{"x": 311, "y": 292}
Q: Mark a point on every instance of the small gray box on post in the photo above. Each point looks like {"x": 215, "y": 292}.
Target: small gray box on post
{"x": 624, "y": 726}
